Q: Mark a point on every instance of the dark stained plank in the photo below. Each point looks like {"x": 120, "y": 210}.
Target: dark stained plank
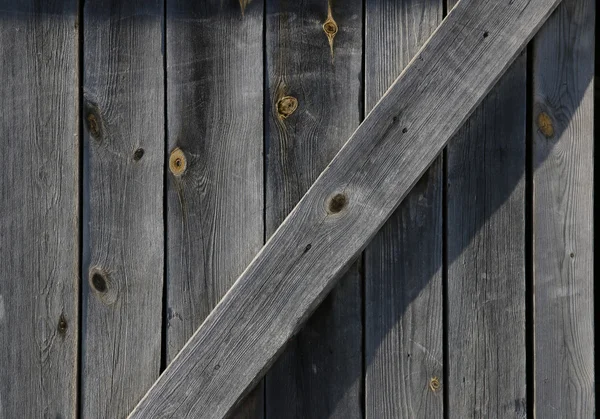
{"x": 39, "y": 225}
{"x": 486, "y": 255}
{"x": 123, "y": 249}
{"x": 320, "y": 373}
{"x": 344, "y": 208}
{"x": 563, "y": 148}
{"x": 403, "y": 263}
{"x": 215, "y": 140}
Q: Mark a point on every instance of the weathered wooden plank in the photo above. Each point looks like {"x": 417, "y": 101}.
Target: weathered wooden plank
{"x": 563, "y": 148}
{"x": 320, "y": 373}
{"x": 345, "y": 207}
{"x": 39, "y": 195}
{"x": 486, "y": 255}
{"x": 403, "y": 275}
{"x": 215, "y": 129}
{"x": 123, "y": 247}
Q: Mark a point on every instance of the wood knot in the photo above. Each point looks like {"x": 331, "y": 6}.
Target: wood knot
{"x": 62, "y": 325}
{"x": 104, "y": 288}
{"x": 337, "y": 203}
{"x": 330, "y": 28}
{"x": 434, "y": 384}
{"x": 98, "y": 281}
{"x": 93, "y": 121}
{"x": 93, "y": 125}
{"x": 545, "y": 124}
{"x": 177, "y": 162}
{"x": 286, "y": 106}
{"x": 138, "y": 154}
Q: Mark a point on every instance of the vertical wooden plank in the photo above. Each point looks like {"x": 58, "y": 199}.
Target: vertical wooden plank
{"x": 123, "y": 211}
{"x": 314, "y": 58}
{"x": 215, "y": 137}
{"x": 563, "y": 148}
{"x": 39, "y": 226}
{"x": 486, "y": 256}
{"x": 403, "y": 279}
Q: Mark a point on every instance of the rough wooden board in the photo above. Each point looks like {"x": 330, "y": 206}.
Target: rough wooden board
{"x": 39, "y": 222}
{"x": 123, "y": 246}
{"x": 215, "y": 203}
{"x": 486, "y": 256}
{"x": 403, "y": 263}
{"x": 563, "y": 148}
{"x": 320, "y": 373}
{"x": 323, "y": 234}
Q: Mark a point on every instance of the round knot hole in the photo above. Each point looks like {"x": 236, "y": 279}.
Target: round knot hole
{"x": 286, "y": 106}
{"x": 486, "y": 34}
{"x": 98, "y": 282}
{"x": 138, "y": 154}
{"x": 177, "y": 162}
{"x": 337, "y": 203}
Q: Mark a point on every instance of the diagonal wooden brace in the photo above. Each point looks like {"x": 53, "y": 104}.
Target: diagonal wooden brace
{"x": 344, "y": 208}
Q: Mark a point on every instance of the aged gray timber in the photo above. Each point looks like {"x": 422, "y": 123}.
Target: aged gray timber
{"x": 486, "y": 256}
{"x": 39, "y": 232}
{"x": 320, "y": 373}
{"x": 344, "y": 208}
{"x": 215, "y": 126}
{"x": 403, "y": 263}
{"x": 123, "y": 246}
{"x": 563, "y": 148}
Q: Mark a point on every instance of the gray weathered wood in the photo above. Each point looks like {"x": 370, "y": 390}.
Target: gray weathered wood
{"x": 344, "y": 208}
{"x": 486, "y": 255}
{"x": 39, "y": 255}
{"x": 403, "y": 275}
{"x": 320, "y": 373}
{"x": 563, "y": 148}
{"x": 215, "y": 120}
{"x": 123, "y": 246}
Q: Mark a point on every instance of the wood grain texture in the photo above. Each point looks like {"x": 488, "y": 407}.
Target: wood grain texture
{"x": 486, "y": 255}
{"x": 39, "y": 231}
{"x": 123, "y": 249}
{"x": 320, "y": 373}
{"x": 215, "y": 119}
{"x": 403, "y": 263}
{"x": 563, "y": 148}
{"x": 344, "y": 208}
